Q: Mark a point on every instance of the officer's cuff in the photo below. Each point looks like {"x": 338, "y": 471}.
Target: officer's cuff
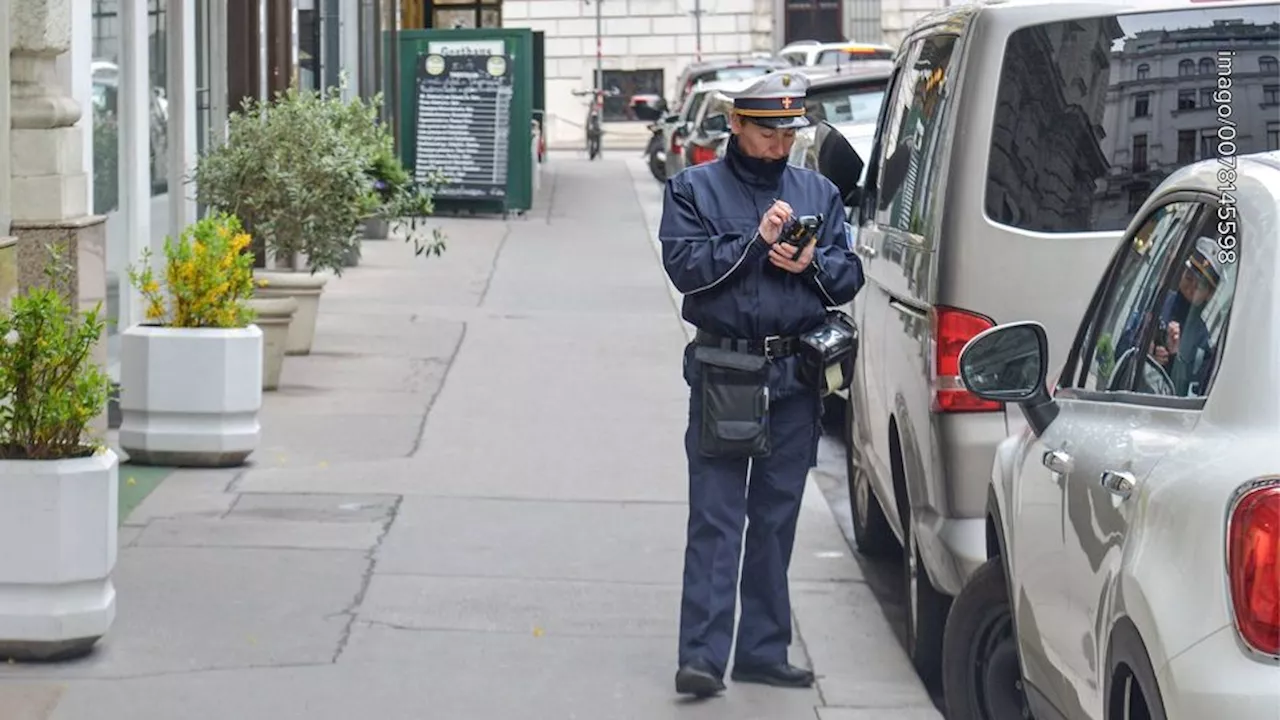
{"x": 758, "y": 246}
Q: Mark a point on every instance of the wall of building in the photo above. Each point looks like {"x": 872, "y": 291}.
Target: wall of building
{"x": 654, "y": 35}
{"x": 897, "y": 16}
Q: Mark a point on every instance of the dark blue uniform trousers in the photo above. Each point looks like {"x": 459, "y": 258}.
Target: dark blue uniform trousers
{"x": 721, "y": 501}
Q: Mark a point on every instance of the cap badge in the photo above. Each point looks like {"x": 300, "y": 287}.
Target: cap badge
{"x": 786, "y": 81}
{"x": 786, "y": 103}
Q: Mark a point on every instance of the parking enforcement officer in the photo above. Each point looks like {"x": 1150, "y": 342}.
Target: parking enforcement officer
{"x": 754, "y": 425}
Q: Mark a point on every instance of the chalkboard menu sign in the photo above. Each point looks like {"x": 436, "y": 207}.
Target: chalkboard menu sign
{"x": 464, "y": 123}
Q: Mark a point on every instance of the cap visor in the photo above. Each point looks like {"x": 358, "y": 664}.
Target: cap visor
{"x": 782, "y": 123}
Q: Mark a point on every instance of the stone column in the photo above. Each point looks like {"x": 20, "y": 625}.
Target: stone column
{"x": 49, "y": 182}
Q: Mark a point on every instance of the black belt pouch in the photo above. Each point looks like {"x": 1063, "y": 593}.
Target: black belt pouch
{"x": 735, "y": 403}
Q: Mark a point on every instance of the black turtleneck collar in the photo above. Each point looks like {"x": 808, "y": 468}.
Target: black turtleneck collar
{"x": 753, "y": 171}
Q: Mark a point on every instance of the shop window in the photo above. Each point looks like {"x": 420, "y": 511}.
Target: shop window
{"x": 628, "y": 83}
{"x": 319, "y": 44}
{"x": 450, "y": 14}
{"x": 158, "y": 55}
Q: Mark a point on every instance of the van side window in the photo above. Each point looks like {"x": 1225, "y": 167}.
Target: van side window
{"x": 912, "y": 133}
{"x": 1092, "y": 114}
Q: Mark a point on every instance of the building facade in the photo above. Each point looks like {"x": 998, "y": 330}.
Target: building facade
{"x": 105, "y": 105}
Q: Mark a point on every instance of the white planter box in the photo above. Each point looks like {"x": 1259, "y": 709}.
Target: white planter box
{"x": 306, "y": 289}
{"x": 58, "y": 527}
{"x": 190, "y": 397}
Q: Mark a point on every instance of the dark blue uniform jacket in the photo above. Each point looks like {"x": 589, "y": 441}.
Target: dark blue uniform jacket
{"x": 714, "y": 256}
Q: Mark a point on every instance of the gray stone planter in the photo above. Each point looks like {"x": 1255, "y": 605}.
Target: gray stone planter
{"x": 375, "y": 228}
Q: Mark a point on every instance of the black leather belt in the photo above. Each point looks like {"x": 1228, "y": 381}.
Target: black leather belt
{"x": 773, "y": 346}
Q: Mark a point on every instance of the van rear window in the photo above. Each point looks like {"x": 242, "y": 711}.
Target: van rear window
{"x": 1093, "y": 114}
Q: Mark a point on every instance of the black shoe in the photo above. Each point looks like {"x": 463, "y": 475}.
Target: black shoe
{"x": 697, "y": 679}
{"x": 780, "y": 675}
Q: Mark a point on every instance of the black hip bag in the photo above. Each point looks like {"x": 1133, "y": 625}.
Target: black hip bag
{"x": 735, "y": 394}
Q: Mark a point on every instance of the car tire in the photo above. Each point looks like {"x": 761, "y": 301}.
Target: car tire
{"x": 870, "y": 526}
{"x": 1131, "y": 671}
{"x": 983, "y": 676}
{"x": 926, "y": 611}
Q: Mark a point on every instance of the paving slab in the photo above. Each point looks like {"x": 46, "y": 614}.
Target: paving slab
{"x": 522, "y": 606}
{"x": 234, "y": 532}
{"x": 879, "y": 713}
{"x": 613, "y": 542}
{"x": 316, "y": 508}
{"x": 187, "y": 493}
{"x": 181, "y": 610}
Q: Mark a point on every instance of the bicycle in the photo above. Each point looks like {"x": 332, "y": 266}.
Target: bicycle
{"x": 595, "y": 132}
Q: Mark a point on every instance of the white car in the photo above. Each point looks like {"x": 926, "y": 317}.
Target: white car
{"x": 1133, "y": 524}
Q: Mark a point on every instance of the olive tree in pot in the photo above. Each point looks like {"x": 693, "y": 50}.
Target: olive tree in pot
{"x": 291, "y": 176}
{"x": 191, "y": 375}
{"x": 58, "y": 486}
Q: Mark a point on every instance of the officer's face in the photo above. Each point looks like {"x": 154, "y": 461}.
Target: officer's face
{"x": 758, "y": 141}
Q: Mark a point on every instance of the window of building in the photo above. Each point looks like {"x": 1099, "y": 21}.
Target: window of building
{"x": 1142, "y": 105}
{"x": 1271, "y": 95}
{"x": 1273, "y": 136}
{"x": 1206, "y": 97}
{"x": 449, "y": 14}
{"x": 158, "y": 50}
{"x": 1208, "y": 143}
{"x": 1060, "y": 158}
{"x": 1206, "y": 66}
{"x": 1140, "y": 152}
{"x": 1144, "y": 70}
{"x": 1186, "y": 146}
{"x": 318, "y": 44}
{"x": 617, "y": 108}
{"x": 1267, "y": 65}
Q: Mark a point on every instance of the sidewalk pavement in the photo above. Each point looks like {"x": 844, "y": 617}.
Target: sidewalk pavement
{"x": 468, "y": 504}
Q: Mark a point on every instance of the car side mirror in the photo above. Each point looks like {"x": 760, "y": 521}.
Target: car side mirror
{"x": 1007, "y": 363}
{"x": 715, "y": 124}
{"x": 671, "y": 119}
{"x": 839, "y": 162}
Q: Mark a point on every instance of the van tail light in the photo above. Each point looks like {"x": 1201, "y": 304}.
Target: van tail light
{"x": 703, "y": 154}
{"x": 1253, "y": 565}
{"x": 952, "y": 328}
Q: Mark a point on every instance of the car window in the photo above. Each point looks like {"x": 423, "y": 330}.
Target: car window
{"x": 842, "y": 56}
{"x": 907, "y": 154}
{"x": 1191, "y": 325}
{"x": 846, "y": 104}
{"x": 1129, "y": 298}
{"x": 1093, "y": 113}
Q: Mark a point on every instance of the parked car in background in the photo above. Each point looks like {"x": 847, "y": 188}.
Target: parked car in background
{"x": 811, "y": 52}
{"x": 1006, "y": 165}
{"x": 851, "y": 103}
{"x": 724, "y": 70}
{"x": 687, "y": 128}
{"x": 1133, "y": 523}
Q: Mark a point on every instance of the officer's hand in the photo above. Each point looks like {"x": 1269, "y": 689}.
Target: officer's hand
{"x": 780, "y": 255}
{"x": 773, "y": 220}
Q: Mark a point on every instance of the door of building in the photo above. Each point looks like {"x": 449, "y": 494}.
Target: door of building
{"x": 819, "y": 20}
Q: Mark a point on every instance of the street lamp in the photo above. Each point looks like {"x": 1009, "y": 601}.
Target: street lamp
{"x": 599, "y": 81}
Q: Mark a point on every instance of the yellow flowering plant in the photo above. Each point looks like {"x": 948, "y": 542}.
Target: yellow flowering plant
{"x": 208, "y": 277}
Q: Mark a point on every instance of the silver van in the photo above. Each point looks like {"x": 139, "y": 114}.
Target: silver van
{"x": 1015, "y": 142}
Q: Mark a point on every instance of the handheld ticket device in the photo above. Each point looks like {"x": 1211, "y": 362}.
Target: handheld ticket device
{"x": 801, "y": 232}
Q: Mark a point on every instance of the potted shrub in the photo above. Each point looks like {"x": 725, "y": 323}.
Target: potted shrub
{"x": 58, "y": 486}
{"x": 294, "y": 180}
{"x": 191, "y": 375}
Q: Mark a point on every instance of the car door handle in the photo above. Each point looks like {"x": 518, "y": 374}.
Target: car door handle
{"x": 1118, "y": 483}
{"x": 1057, "y": 461}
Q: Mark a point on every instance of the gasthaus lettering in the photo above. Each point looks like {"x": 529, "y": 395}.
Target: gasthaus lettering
{"x": 758, "y": 249}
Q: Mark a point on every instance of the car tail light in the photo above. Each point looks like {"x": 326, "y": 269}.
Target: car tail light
{"x": 1253, "y": 565}
{"x": 952, "y": 328}
{"x": 703, "y": 154}
{"x": 676, "y": 147}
